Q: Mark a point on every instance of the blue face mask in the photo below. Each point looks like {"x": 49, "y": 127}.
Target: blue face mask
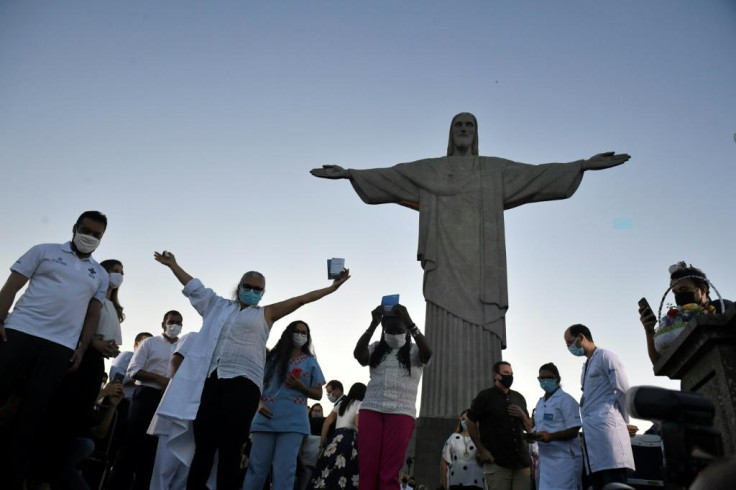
{"x": 576, "y": 350}
{"x": 249, "y": 297}
{"x": 548, "y": 385}
{"x": 463, "y": 425}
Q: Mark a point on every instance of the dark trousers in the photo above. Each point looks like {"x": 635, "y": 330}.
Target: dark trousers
{"x": 138, "y": 451}
{"x": 600, "y": 479}
{"x": 225, "y": 411}
{"x": 72, "y": 415}
{"x": 31, "y": 370}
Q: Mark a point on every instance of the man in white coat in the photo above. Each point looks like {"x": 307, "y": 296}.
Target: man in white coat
{"x": 607, "y": 444}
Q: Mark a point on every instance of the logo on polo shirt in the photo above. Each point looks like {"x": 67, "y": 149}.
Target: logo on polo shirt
{"x": 58, "y": 260}
{"x": 92, "y": 272}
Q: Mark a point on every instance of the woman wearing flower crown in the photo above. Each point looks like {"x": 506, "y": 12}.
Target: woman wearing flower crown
{"x": 691, "y": 288}
{"x": 292, "y": 375}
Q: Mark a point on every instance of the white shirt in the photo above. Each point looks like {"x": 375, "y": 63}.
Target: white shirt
{"x": 241, "y": 347}
{"x": 346, "y": 420}
{"x": 60, "y": 288}
{"x": 391, "y": 389}
{"x": 463, "y": 469}
{"x": 109, "y": 326}
{"x": 560, "y": 462}
{"x": 120, "y": 365}
{"x": 603, "y": 410}
{"x": 180, "y": 402}
{"x": 153, "y": 355}
{"x": 185, "y": 343}
{"x": 559, "y": 412}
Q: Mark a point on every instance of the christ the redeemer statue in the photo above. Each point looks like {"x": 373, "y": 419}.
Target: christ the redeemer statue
{"x": 461, "y": 199}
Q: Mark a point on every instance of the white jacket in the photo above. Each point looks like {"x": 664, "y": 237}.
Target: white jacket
{"x": 180, "y": 401}
{"x": 603, "y": 410}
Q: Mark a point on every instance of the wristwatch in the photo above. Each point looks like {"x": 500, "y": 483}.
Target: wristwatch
{"x": 414, "y": 330}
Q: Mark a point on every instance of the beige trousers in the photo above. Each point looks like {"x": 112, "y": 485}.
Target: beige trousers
{"x": 500, "y": 478}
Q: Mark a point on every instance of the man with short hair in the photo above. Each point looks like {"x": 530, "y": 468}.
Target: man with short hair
{"x": 335, "y": 394}
{"x": 607, "y": 452}
{"x": 122, "y": 361}
{"x": 149, "y": 367}
{"x": 48, "y": 331}
{"x": 334, "y": 391}
{"x": 496, "y": 422}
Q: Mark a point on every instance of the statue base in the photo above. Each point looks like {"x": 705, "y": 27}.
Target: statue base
{"x": 430, "y": 435}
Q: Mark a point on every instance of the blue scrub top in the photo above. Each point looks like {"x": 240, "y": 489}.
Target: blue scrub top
{"x": 288, "y": 405}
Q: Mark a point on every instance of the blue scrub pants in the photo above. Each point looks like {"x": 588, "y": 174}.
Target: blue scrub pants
{"x": 279, "y": 449}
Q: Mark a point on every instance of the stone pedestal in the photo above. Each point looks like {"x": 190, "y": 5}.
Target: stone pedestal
{"x": 703, "y": 358}
{"x": 430, "y": 434}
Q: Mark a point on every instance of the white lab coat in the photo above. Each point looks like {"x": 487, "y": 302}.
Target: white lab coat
{"x": 180, "y": 402}
{"x": 603, "y": 410}
{"x": 560, "y": 462}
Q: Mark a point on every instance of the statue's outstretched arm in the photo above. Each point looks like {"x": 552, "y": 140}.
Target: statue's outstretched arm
{"x": 330, "y": 172}
{"x": 605, "y": 160}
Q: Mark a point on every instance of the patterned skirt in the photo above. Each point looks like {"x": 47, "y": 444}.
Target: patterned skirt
{"x": 337, "y": 466}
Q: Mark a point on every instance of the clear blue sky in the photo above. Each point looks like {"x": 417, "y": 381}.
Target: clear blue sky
{"x": 193, "y": 126}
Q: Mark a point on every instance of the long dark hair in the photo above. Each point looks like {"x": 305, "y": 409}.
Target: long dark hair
{"x": 108, "y": 265}
{"x": 357, "y": 392}
{"x": 382, "y": 349}
{"x": 459, "y": 427}
{"x": 277, "y": 360}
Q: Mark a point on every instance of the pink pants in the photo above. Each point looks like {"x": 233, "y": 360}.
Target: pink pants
{"x": 382, "y": 442}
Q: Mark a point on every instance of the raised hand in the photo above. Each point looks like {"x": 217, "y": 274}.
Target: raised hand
{"x": 605, "y": 160}
{"x": 340, "y": 280}
{"x": 403, "y": 314}
{"x": 376, "y": 315}
{"x": 166, "y": 258}
{"x": 330, "y": 172}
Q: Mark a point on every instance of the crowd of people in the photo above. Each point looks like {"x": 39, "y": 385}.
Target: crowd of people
{"x": 216, "y": 409}
{"x": 211, "y": 409}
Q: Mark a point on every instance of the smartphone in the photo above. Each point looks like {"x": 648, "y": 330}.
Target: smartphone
{"x": 118, "y": 378}
{"x": 643, "y": 303}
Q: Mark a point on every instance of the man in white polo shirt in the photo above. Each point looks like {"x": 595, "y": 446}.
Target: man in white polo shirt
{"x": 149, "y": 367}
{"x": 47, "y": 332}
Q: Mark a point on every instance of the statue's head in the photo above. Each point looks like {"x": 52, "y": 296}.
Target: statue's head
{"x": 463, "y": 135}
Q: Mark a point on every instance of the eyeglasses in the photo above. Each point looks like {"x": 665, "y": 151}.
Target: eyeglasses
{"x": 249, "y": 287}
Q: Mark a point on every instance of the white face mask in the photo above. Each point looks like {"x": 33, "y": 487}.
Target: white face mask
{"x": 116, "y": 279}
{"x": 298, "y": 339}
{"x": 331, "y": 397}
{"x": 173, "y": 330}
{"x": 85, "y": 243}
{"x": 395, "y": 341}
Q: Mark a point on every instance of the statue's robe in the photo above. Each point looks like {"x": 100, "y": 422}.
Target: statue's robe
{"x": 463, "y": 253}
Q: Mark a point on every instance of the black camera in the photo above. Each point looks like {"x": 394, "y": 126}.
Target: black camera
{"x": 689, "y": 440}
